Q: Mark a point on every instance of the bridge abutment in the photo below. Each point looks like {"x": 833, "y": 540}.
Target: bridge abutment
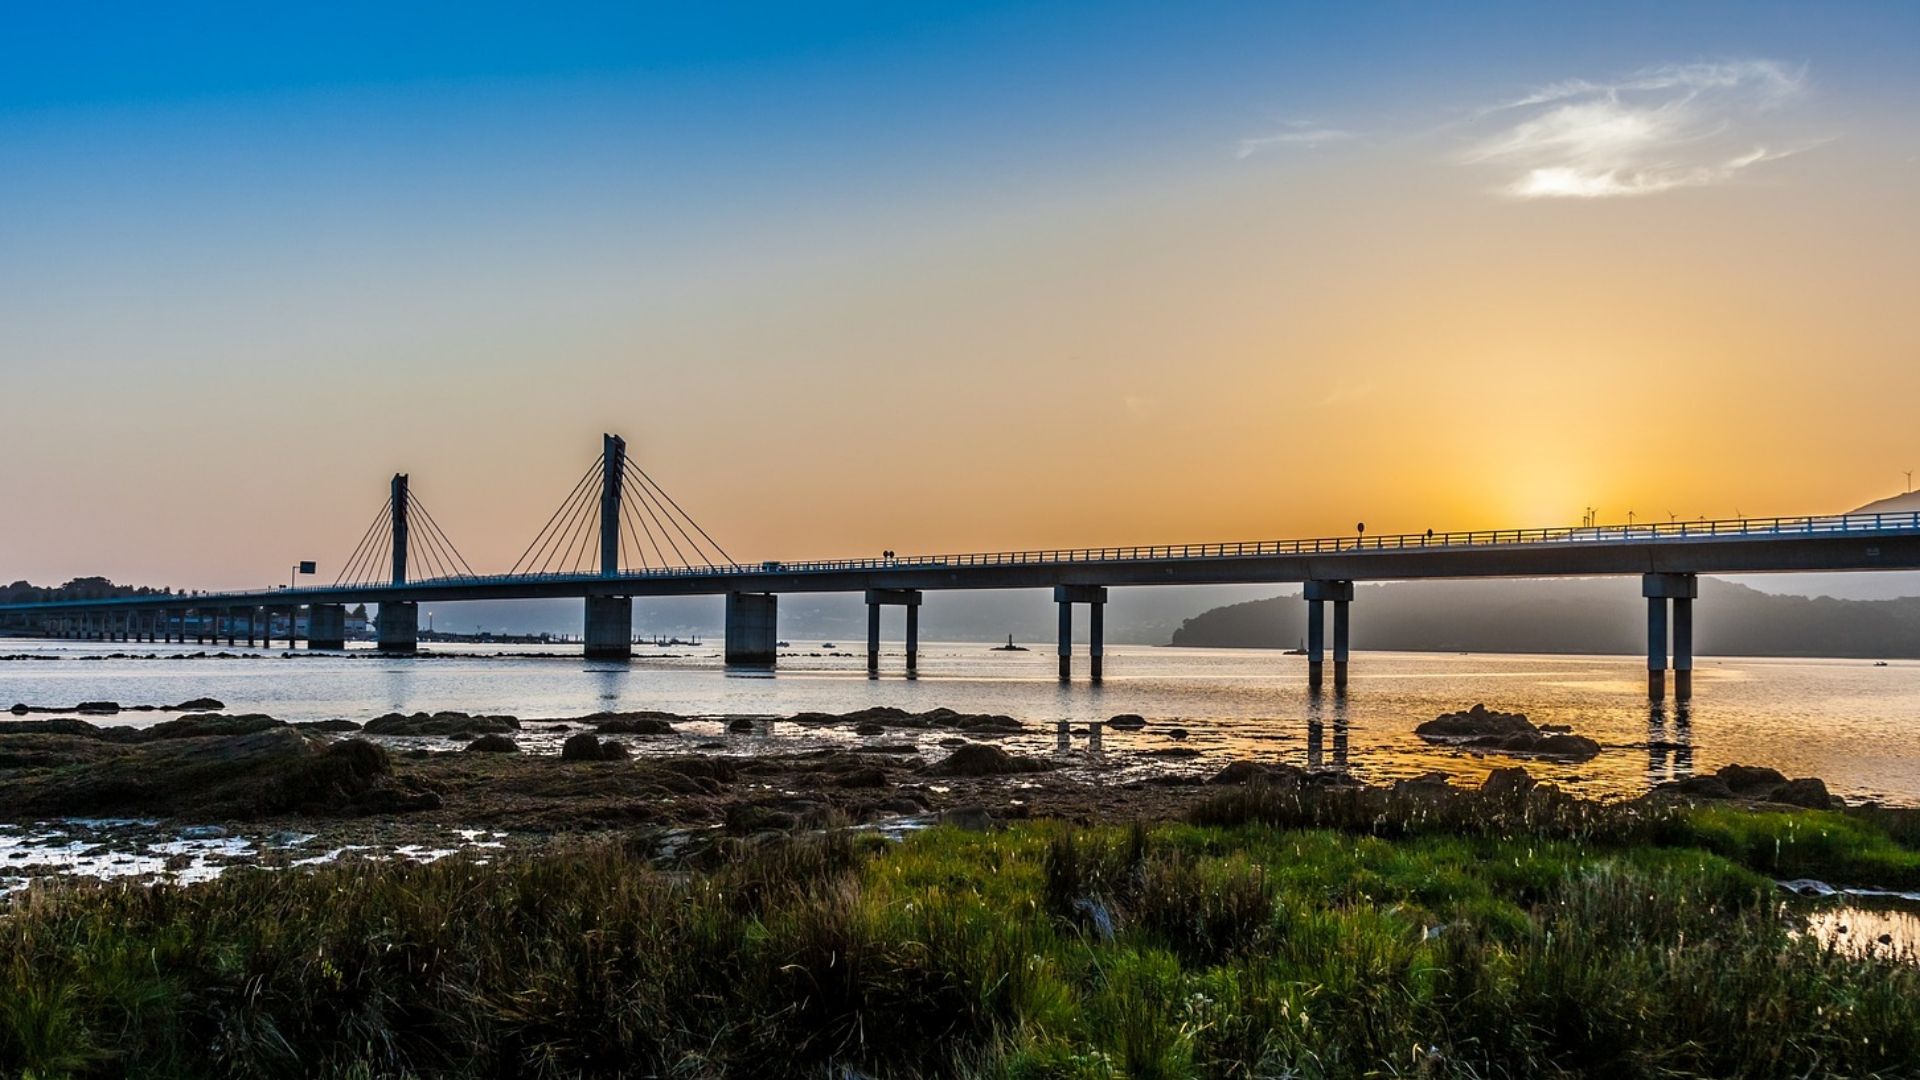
{"x": 609, "y": 628}
{"x": 399, "y": 626}
{"x": 1095, "y": 597}
{"x": 752, "y": 631}
{"x": 326, "y": 626}
{"x": 1681, "y": 590}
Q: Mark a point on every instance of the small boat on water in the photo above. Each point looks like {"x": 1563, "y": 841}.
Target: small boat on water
{"x": 828, "y": 645}
{"x": 1009, "y": 646}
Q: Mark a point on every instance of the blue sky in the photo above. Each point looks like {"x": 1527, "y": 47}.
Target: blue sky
{"x": 1131, "y": 241}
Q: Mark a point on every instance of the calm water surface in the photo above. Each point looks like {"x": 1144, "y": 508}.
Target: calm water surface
{"x": 1848, "y": 722}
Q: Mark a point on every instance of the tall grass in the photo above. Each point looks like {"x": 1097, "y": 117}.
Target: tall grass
{"x": 1235, "y": 950}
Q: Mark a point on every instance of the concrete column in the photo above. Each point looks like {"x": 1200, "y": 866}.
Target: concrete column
{"x": 1316, "y": 641}
{"x": 609, "y": 627}
{"x": 293, "y": 627}
{"x": 1682, "y": 649}
{"x": 1096, "y": 637}
{"x": 1658, "y": 589}
{"x": 613, "y": 467}
{"x": 399, "y": 629}
{"x": 399, "y": 502}
{"x": 873, "y": 638}
{"x": 231, "y": 616}
{"x": 752, "y": 637}
{"x": 1340, "y": 638}
{"x": 913, "y": 639}
{"x": 1066, "y": 638}
{"x": 253, "y": 626}
{"x": 327, "y": 626}
{"x": 1656, "y": 648}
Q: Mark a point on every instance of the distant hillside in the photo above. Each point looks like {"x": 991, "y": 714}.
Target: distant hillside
{"x": 1590, "y": 615}
{"x": 1906, "y": 503}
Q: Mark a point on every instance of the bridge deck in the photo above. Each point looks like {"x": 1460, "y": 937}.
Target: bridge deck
{"x": 1766, "y": 545}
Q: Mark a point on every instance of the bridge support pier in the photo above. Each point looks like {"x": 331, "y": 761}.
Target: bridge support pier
{"x": 1317, "y": 595}
{"x": 609, "y": 628}
{"x": 399, "y": 626}
{"x": 1095, "y": 597}
{"x": 752, "y": 636}
{"x": 907, "y": 598}
{"x": 327, "y": 626}
{"x": 1682, "y": 590}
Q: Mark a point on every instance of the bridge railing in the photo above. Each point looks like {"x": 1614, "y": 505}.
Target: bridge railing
{"x": 1658, "y": 532}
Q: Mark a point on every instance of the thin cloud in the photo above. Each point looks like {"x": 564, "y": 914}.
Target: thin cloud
{"x": 1298, "y": 133}
{"x": 1690, "y": 125}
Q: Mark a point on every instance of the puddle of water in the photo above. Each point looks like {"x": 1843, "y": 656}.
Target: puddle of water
{"x": 1881, "y": 923}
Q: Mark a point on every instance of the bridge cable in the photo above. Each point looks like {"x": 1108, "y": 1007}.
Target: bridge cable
{"x": 683, "y": 514}
{"x": 365, "y": 539}
{"x": 640, "y": 513}
{"x": 438, "y": 538}
{"x": 525, "y": 556}
{"x": 564, "y": 536}
{"x": 649, "y": 504}
{"x": 362, "y": 565}
{"x": 649, "y": 499}
{"x": 446, "y": 541}
{"x": 627, "y": 519}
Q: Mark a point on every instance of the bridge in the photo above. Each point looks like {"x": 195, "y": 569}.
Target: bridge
{"x": 619, "y": 535}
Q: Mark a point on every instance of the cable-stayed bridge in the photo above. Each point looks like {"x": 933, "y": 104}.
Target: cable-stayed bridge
{"x": 618, "y": 534}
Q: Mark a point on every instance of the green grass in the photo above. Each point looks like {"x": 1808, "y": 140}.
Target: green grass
{"x": 1644, "y": 946}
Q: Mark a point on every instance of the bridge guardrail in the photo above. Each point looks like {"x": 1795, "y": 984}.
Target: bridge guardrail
{"x": 1678, "y": 531}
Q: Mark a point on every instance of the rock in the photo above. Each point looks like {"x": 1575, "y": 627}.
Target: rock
{"x": 440, "y": 723}
{"x": 869, "y": 727}
{"x": 326, "y": 725}
{"x": 1507, "y": 783}
{"x": 1175, "y": 733}
{"x": 97, "y": 708}
{"x": 869, "y": 777}
{"x": 1427, "y": 780}
{"x": 587, "y": 746}
{"x": 1751, "y": 779}
{"x": 980, "y": 759}
{"x": 990, "y": 725}
{"x": 1477, "y": 722}
{"x": 199, "y": 704}
{"x": 1703, "y": 787}
{"x": 740, "y": 725}
{"x": 1127, "y": 722}
{"x": 1810, "y": 792}
{"x": 493, "y": 744}
{"x": 642, "y": 724}
{"x": 200, "y": 724}
{"x": 1566, "y": 747}
{"x": 21, "y": 708}
{"x": 203, "y": 832}
{"x": 1173, "y": 753}
{"x": 62, "y": 725}
{"x": 951, "y": 741}
{"x": 1253, "y": 772}
{"x": 969, "y": 818}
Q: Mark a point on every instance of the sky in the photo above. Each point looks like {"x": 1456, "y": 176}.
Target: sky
{"x": 932, "y": 277}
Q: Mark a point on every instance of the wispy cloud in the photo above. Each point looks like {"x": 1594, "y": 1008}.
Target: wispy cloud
{"x": 1297, "y": 133}
{"x": 1687, "y": 125}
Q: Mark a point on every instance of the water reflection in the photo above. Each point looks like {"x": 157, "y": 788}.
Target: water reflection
{"x": 1669, "y": 755}
{"x": 1317, "y": 716}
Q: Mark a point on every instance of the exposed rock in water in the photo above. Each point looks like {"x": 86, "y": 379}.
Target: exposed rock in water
{"x": 587, "y": 746}
{"x": 1481, "y": 728}
{"x": 1755, "y": 782}
{"x": 740, "y": 725}
{"x": 1127, "y": 722}
{"x": 1175, "y": 734}
{"x": 97, "y": 708}
{"x": 980, "y": 759}
{"x": 888, "y": 717}
{"x": 440, "y": 723}
{"x": 642, "y": 723}
{"x": 1253, "y": 772}
{"x": 326, "y": 725}
{"x": 1477, "y": 722}
{"x": 493, "y": 744}
{"x": 199, "y": 704}
{"x": 869, "y": 727}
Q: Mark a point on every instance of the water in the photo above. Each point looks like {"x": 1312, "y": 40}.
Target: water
{"x": 1848, "y": 722}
